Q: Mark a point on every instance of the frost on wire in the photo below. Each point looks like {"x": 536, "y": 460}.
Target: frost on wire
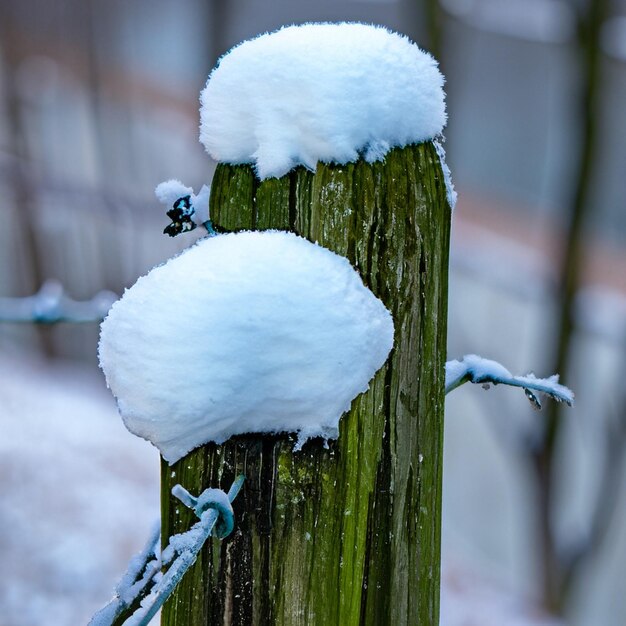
{"x": 475, "y": 369}
{"x": 320, "y": 92}
{"x": 169, "y": 191}
{"x": 248, "y": 332}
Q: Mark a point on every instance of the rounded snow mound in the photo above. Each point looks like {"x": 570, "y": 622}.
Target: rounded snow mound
{"x": 247, "y": 332}
{"x": 320, "y": 92}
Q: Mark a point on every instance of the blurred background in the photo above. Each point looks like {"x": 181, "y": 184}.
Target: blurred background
{"x": 99, "y": 103}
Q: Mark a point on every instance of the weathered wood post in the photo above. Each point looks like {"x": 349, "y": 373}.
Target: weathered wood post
{"x": 349, "y": 532}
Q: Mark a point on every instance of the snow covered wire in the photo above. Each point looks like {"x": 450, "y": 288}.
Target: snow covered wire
{"x": 186, "y": 209}
{"x": 139, "y": 575}
{"x": 51, "y": 305}
{"x": 475, "y": 369}
{"x": 214, "y": 509}
{"x": 211, "y": 506}
{"x": 214, "y": 499}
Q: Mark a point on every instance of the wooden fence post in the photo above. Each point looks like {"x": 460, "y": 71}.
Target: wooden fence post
{"x": 349, "y": 533}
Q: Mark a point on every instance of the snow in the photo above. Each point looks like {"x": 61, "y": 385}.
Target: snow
{"x": 244, "y": 332}
{"x": 78, "y": 495}
{"x": 479, "y": 370}
{"x": 320, "y": 92}
{"x": 451, "y": 194}
{"x": 169, "y": 191}
{"x": 201, "y": 204}
{"x": 142, "y": 570}
{"x": 477, "y": 366}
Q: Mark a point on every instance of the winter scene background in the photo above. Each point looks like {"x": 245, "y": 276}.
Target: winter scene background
{"x": 99, "y": 104}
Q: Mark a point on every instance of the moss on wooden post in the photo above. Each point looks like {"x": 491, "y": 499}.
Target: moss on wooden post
{"x": 347, "y": 533}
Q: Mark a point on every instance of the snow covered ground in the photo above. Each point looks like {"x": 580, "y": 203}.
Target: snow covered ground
{"x": 469, "y": 598}
{"x": 79, "y": 495}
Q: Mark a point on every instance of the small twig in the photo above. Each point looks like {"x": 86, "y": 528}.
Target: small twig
{"x": 474, "y": 369}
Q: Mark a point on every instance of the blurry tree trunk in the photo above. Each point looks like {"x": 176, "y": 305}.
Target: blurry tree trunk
{"x": 559, "y": 564}
{"x": 433, "y": 18}
{"x": 347, "y": 533}
{"x": 23, "y": 192}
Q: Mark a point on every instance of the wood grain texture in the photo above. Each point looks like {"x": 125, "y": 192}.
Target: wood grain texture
{"x": 347, "y": 533}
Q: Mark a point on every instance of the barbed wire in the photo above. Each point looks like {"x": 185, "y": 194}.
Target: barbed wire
{"x": 51, "y": 305}
{"x": 144, "y": 589}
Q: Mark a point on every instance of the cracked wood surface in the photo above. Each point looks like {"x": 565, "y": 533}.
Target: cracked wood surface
{"x": 347, "y": 533}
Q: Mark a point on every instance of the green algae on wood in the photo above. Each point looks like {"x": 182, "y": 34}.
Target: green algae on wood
{"x": 349, "y": 532}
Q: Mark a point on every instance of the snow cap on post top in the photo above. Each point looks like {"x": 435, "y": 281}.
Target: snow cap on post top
{"x": 320, "y": 92}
